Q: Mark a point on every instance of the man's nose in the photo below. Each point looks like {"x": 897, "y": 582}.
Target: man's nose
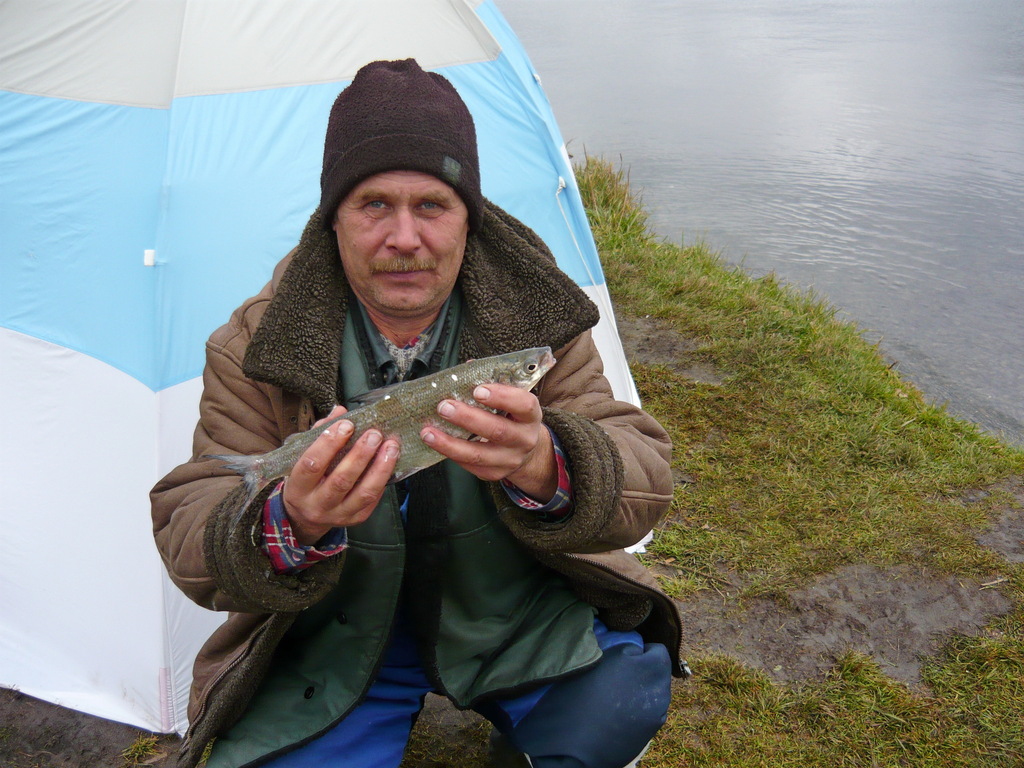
{"x": 404, "y": 235}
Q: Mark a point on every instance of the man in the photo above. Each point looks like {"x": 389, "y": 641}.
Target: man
{"x": 496, "y": 578}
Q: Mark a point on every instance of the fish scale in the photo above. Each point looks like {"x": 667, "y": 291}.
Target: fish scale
{"x": 400, "y": 412}
{"x": 391, "y": 412}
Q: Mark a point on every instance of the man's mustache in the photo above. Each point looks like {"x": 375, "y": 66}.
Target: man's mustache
{"x": 402, "y": 265}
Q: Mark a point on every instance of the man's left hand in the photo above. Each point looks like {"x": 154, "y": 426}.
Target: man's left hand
{"x": 513, "y": 445}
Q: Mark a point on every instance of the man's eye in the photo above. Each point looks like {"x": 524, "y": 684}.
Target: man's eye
{"x": 376, "y": 204}
{"x": 429, "y": 205}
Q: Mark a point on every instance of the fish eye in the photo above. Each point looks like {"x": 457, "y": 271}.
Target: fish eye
{"x": 531, "y": 367}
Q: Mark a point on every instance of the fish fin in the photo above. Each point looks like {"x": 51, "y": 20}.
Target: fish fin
{"x": 241, "y": 464}
{"x": 248, "y": 468}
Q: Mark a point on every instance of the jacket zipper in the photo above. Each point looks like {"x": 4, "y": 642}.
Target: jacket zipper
{"x": 186, "y": 742}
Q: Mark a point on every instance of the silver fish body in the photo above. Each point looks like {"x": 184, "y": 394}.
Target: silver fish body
{"x": 401, "y": 411}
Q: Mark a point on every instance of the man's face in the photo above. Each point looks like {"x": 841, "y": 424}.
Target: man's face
{"x": 402, "y": 235}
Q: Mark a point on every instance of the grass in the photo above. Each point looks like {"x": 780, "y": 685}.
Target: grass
{"x": 857, "y": 717}
{"x": 812, "y": 454}
{"x": 145, "y": 747}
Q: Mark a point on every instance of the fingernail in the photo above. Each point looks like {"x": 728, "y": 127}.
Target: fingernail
{"x": 427, "y": 436}
{"x": 373, "y": 438}
{"x": 446, "y": 408}
{"x": 481, "y": 393}
{"x": 391, "y": 452}
{"x": 344, "y": 427}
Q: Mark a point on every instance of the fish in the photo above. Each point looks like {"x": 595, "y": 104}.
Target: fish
{"x": 401, "y": 411}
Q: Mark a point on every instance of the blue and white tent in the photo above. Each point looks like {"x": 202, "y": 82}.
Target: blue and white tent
{"x": 157, "y": 158}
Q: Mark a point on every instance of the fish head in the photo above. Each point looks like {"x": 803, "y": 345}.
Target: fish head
{"x": 526, "y": 367}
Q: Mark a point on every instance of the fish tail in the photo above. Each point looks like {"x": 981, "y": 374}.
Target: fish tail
{"x": 249, "y": 467}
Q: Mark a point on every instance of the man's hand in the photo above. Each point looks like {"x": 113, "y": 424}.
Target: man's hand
{"x": 318, "y": 497}
{"x": 515, "y": 447}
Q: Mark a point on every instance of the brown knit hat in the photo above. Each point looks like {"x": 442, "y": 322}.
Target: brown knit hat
{"x": 396, "y": 117}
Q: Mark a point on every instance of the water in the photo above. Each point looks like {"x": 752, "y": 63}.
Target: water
{"x": 870, "y": 150}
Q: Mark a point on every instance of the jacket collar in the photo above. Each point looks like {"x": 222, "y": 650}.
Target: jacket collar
{"x": 515, "y": 297}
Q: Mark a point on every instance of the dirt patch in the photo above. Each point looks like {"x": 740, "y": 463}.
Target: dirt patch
{"x": 35, "y": 734}
{"x": 899, "y": 616}
{"x": 650, "y": 341}
{"x": 1006, "y": 536}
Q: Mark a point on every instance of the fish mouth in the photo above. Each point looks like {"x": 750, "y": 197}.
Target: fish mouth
{"x": 547, "y": 360}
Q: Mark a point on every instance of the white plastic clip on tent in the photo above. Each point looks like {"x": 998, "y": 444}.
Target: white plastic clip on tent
{"x": 156, "y": 160}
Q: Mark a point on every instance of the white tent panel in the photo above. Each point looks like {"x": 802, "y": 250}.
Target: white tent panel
{"x": 110, "y": 51}
{"x": 87, "y": 607}
{"x": 178, "y": 412}
{"x": 185, "y": 625}
{"x": 117, "y": 51}
{"x": 221, "y": 39}
{"x": 80, "y": 576}
{"x": 606, "y": 336}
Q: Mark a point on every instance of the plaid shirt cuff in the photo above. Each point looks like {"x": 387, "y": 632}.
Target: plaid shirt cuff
{"x": 560, "y": 505}
{"x": 279, "y": 544}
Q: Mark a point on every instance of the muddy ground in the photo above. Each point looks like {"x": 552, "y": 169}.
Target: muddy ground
{"x": 899, "y": 616}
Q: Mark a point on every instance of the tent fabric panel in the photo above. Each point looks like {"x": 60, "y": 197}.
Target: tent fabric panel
{"x": 519, "y": 168}
{"x": 251, "y": 158}
{"x": 239, "y": 45}
{"x": 606, "y": 336}
{"x": 145, "y": 53}
{"x": 242, "y": 179}
{"x": 80, "y": 613}
{"x": 81, "y": 188}
{"x": 186, "y": 626}
{"x": 109, "y": 51}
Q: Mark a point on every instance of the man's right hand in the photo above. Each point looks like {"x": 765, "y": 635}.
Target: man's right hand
{"x": 318, "y": 497}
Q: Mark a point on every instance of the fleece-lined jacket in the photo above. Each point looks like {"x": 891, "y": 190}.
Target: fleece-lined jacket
{"x": 272, "y": 370}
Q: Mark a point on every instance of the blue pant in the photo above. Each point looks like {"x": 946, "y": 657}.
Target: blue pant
{"x": 601, "y": 718}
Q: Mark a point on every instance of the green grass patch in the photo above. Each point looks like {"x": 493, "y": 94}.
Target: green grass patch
{"x": 814, "y": 452}
{"x": 145, "y": 747}
{"x": 856, "y": 717}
